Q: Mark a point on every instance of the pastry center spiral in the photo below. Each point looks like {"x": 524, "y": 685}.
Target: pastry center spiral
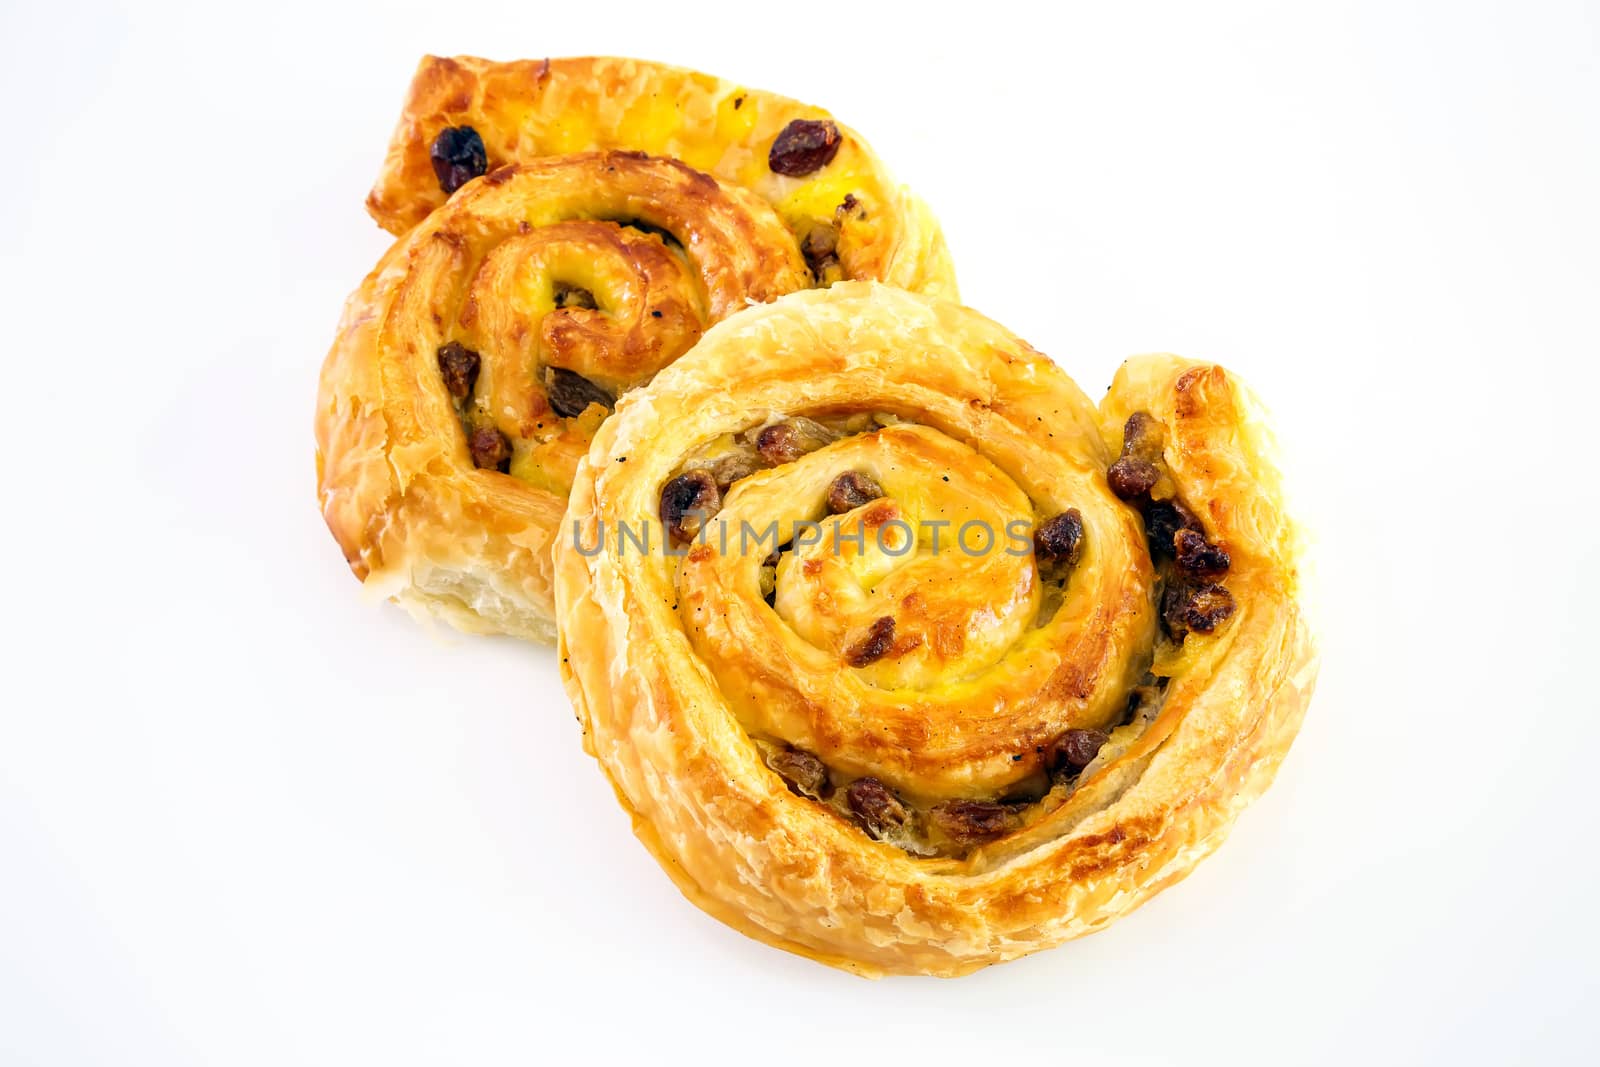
{"x": 912, "y": 634}
{"x": 568, "y": 281}
{"x": 643, "y": 310}
{"x": 914, "y": 555}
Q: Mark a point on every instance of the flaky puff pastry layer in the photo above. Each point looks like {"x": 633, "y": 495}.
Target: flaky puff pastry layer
{"x": 647, "y": 188}
{"x": 527, "y": 109}
{"x": 683, "y": 675}
{"x": 417, "y": 519}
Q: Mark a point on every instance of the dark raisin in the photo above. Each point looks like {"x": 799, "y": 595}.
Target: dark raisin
{"x": 571, "y": 393}
{"x": 1142, "y": 436}
{"x": 821, "y": 240}
{"x": 1138, "y": 469}
{"x": 1060, "y": 540}
{"x": 687, "y": 502}
{"x": 776, "y": 443}
{"x": 820, "y": 248}
{"x": 1196, "y": 607}
{"x": 1199, "y": 558}
{"x": 970, "y": 821}
{"x": 874, "y": 646}
{"x": 459, "y": 366}
{"x": 732, "y": 467}
{"x": 787, "y": 441}
{"x": 805, "y": 773}
{"x": 571, "y": 296}
{"x": 1076, "y": 749}
{"x": 458, "y": 157}
{"x": 1162, "y": 521}
{"x": 850, "y": 490}
{"x": 490, "y": 448}
{"x": 804, "y": 146}
{"x": 1131, "y": 478}
{"x": 875, "y": 805}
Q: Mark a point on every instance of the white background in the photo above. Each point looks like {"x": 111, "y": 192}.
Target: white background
{"x": 248, "y": 818}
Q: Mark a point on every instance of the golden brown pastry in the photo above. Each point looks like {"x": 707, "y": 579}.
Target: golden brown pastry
{"x": 902, "y": 655}
{"x": 821, "y": 178}
{"x": 560, "y": 248}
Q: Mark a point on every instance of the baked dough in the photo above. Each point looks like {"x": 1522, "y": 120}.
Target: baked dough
{"x": 900, "y": 760}
{"x": 530, "y": 108}
{"x": 474, "y": 364}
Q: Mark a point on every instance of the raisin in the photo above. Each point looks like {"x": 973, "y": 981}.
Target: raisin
{"x": 1199, "y": 558}
{"x": 1163, "y": 519}
{"x": 850, "y": 490}
{"x": 687, "y": 502}
{"x": 490, "y": 448}
{"x": 1131, "y": 478}
{"x": 1075, "y": 749}
{"x": 1138, "y": 469}
{"x": 459, "y": 366}
{"x": 820, "y": 248}
{"x": 1198, "y": 608}
{"x": 805, "y": 773}
{"x": 787, "y": 441}
{"x": 970, "y": 821}
{"x": 1142, "y": 437}
{"x": 876, "y": 806}
{"x": 732, "y": 467}
{"x": 803, "y": 147}
{"x": 571, "y": 296}
{"x": 572, "y": 393}
{"x": 874, "y": 646}
{"x": 458, "y": 157}
{"x": 821, "y": 240}
{"x": 1060, "y": 540}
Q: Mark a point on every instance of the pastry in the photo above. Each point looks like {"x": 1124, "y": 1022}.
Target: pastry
{"x": 569, "y": 228}
{"x": 850, "y": 218}
{"x": 904, "y": 656}
{"x": 465, "y": 115}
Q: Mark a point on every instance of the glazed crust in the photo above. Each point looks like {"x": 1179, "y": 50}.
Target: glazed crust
{"x": 399, "y": 489}
{"x": 661, "y": 654}
{"x": 527, "y": 109}
{"x": 597, "y": 181}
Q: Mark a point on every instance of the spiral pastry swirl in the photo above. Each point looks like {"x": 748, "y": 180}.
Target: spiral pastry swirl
{"x": 905, "y": 657}
{"x": 463, "y": 115}
{"x": 475, "y": 363}
{"x": 569, "y": 228}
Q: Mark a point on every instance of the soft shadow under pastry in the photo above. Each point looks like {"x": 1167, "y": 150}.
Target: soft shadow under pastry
{"x": 905, "y": 657}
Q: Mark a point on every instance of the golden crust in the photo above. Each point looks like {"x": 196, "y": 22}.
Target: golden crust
{"x": 527, "y": 109}
{"x": 398, "y": 486}
{"x": 658, "y": 653}
{"x": 580, "y": 152}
